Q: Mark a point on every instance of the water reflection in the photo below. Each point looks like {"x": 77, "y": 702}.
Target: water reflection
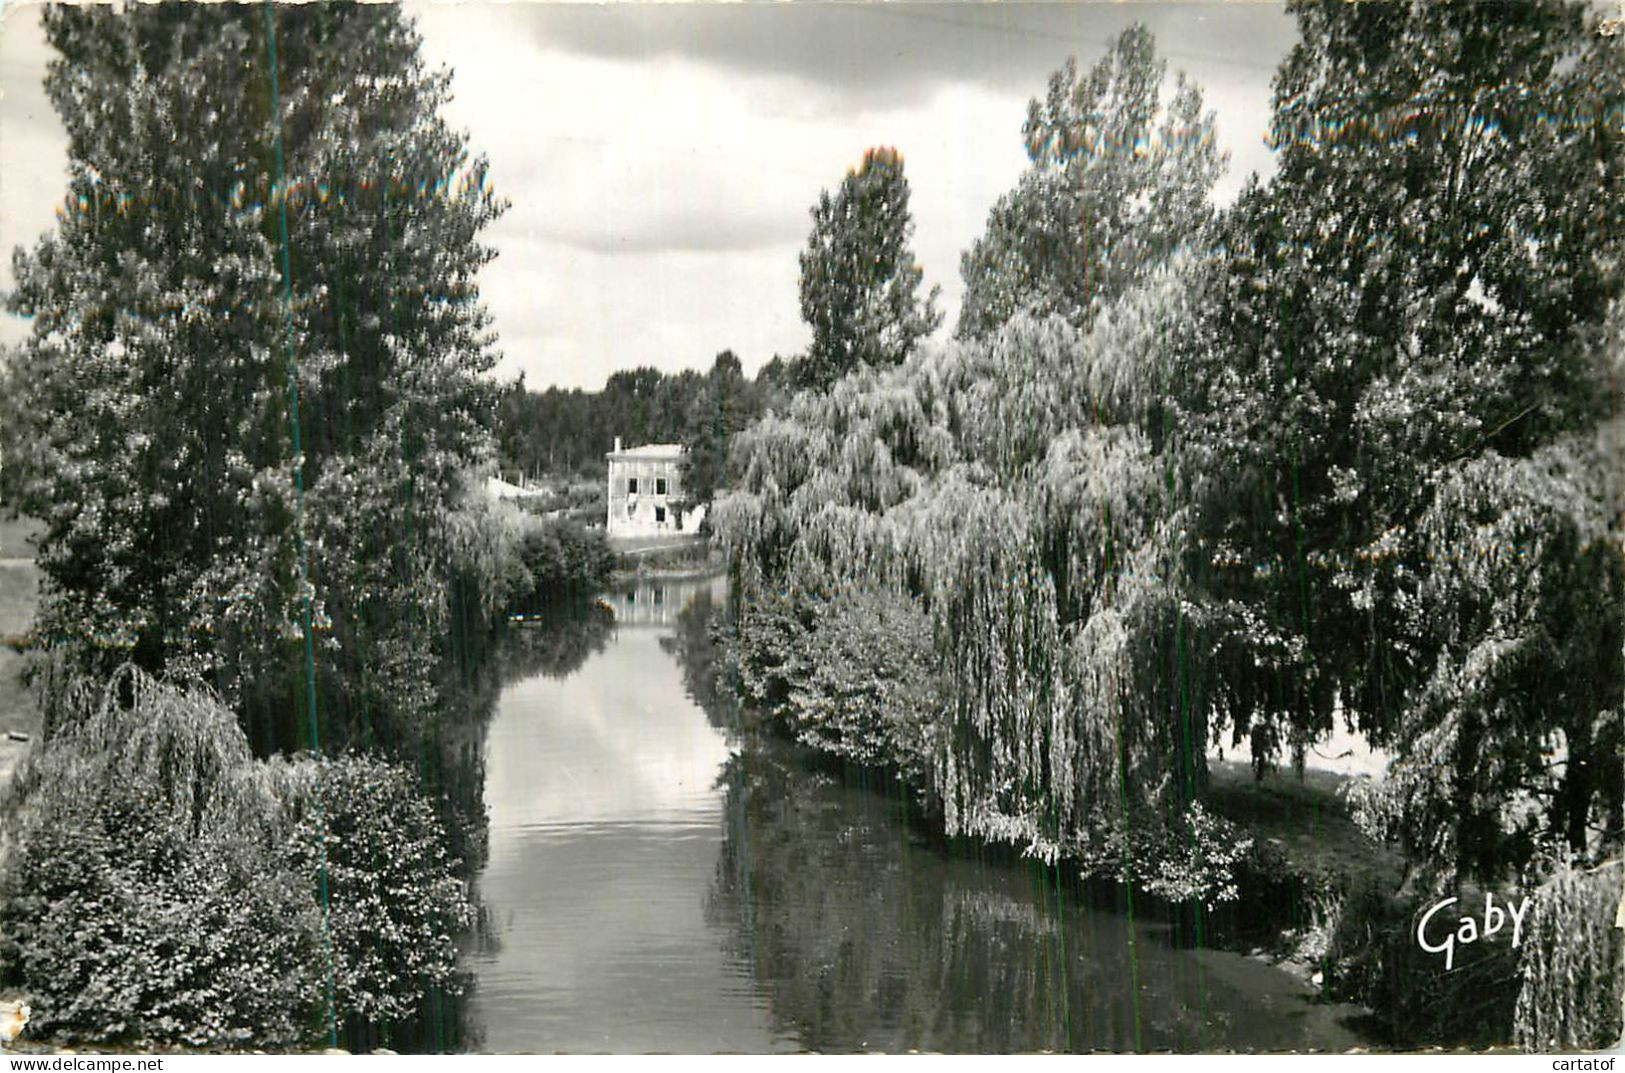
{"x": 661, "y": 601}
{"x": 605, "y": 834}
{"x": 660, "y": 879}
{"x": 866, "y": 937}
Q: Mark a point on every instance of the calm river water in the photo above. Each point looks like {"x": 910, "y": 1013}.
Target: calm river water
{"x": 657, "y": 883}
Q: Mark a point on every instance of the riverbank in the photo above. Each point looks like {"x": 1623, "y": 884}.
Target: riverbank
{"x": 19, "y": 599}
{"x": 667, "y": 559}
{"x": 1276, "y": 869}
{"x": 1308, "y": 859}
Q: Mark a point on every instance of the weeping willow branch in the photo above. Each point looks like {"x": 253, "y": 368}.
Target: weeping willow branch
{"x": 1573, "y": 966}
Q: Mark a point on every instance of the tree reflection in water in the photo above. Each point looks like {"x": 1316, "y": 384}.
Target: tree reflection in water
{"x": 863, "y": 933}
{"x": 452, "y": 767}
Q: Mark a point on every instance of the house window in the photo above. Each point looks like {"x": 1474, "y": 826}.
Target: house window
{"x": 631, "y": 486}
{"x": 660, "y": 515}
{"x": 660, "y": 486}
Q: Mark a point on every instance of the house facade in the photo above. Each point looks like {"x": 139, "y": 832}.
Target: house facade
{"x": 646, "y": 493}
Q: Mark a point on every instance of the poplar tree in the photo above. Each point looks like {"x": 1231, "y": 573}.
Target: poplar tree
{"x": 1117, "y": 183}
{"x": 859, "y": 280}
{"x": 263, "y": 206}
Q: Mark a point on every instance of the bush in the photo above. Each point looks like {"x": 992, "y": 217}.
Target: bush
{"x": 1194, "y": 859}
{"x": 872, "y": 691}
{"x": 562, "y": 560}
{"x": 146, "y": 895}
{"x": 395, "y": 906}
{"x": 161, "y": 886}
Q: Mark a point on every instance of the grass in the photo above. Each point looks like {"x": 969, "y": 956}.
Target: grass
{"x": 17, "y": 537}
{"x": 1307, "y": 822}
{"x": 1330, "y": 897}
{"x": 19, "y": 598}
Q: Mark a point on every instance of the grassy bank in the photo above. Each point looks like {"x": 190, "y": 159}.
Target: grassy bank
{"x": 19, "y": 597}
{"x": 1320, "y": 898}
{"x": 1308, "y": 858}
{"x": 665, "y": 556}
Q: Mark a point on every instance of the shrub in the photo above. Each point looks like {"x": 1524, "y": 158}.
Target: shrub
{"x": 161, "y": 886}
{"x": 146, "y": 895}
{"x": 562, "y": 559}
{"x": 872, "y": 691}
{"x": 395, "y": 905}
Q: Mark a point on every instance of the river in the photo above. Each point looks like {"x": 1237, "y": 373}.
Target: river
{"x": 658, "y": 881}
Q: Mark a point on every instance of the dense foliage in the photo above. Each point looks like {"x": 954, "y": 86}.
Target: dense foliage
{"x": 336, "y": 236}
{"x": 1391, "y": 413}
{"x": 562, "y": 560}
{"x": 395, "y": 908}
{"x": 556, "y": 432}
{"x": 1345, "y": 454}
{"x": 1573, "y": 970}
{"x": 147, "y": 894}
{"x": 1117, "y": 183}
{"x": 1039, "y": 686}
{"x": 1003, "y": 509}
{"x": 163, "y": 886}
{"x": 253, "y": 400}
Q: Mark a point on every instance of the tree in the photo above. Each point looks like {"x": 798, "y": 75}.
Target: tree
{"x": 859, "y": 282}
{"x": 1116, "y": 184}
{"x": 1572, "y": 979}
{"x": 209, "y": 244}
{"x": 721, "y": 410}
{"x": 1403, "y": 343}
{"x": 999, "y": 508}
{"x": 15, "y": 448}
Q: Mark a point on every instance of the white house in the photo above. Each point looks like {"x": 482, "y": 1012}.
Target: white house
{"x": 646, "y": 493}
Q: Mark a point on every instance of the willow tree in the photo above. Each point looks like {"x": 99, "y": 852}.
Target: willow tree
{"x": 1403, "y": 353}
{"x": 1571, "y": 970}
{"x": 148, "y": 896}
{"x": 1117, "y": 181}
{"x": 1001, "y": 510}
{"x": 263, "y": 208}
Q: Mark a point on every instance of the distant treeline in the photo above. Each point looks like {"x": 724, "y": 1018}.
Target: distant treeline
{"x": 557, "y": 431}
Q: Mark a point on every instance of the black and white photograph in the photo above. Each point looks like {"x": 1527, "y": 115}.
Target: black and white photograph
{"x": 793, "y": 526}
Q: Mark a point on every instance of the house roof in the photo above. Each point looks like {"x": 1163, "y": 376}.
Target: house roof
{"x": 649, "y": 451}
{"x": 501, "y": 489}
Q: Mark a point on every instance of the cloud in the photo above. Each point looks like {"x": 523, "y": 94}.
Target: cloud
{"x": 661, "y": 159}
{"x": 900, "y": 52}
{"x": 33, "y": 146}
{"x": 668, "y": 153}
{"x": 676, "y": 233}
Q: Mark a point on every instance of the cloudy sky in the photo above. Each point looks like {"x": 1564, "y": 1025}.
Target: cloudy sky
{"x": 661, "y": 158}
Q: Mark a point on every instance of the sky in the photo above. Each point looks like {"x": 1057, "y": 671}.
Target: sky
{"x": 661, "y": 159}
